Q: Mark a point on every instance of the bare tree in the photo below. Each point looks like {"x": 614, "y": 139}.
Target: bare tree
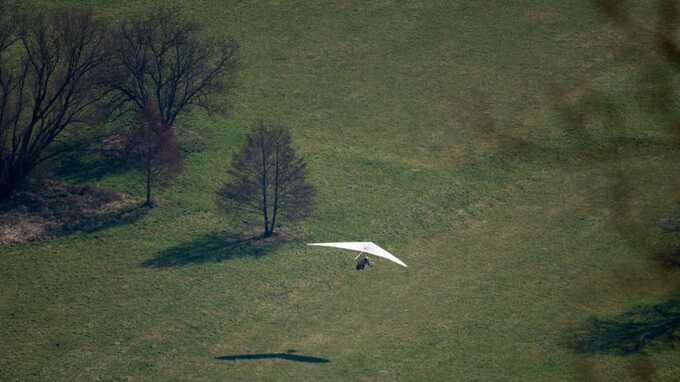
{"x": 49, "y": 81}
{"x": 268, "y": 179}
{"x": 151, "y": 147}
{"x": 163, "y": 58}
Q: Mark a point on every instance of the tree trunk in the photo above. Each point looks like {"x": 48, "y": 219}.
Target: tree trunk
{"x": 148, "y": 203}
{"x": 275, "y": 206}
{"x": 7, "y": 189}
{"x": 10, "y": 181}
{"x": 263, "y": 185}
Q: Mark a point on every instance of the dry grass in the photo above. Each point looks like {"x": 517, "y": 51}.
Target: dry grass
{"x": 56, "y": 209}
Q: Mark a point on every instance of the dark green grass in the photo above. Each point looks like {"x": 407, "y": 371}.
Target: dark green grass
{"x": 430, "y": 129}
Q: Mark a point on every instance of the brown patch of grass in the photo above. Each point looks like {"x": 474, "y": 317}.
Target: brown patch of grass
{"x": 56, "y": 209}
{"x": 154, "y": 337}
{"x": 543, "y": 14}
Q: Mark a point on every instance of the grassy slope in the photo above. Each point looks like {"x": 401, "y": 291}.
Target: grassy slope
{"x": 509, "y": 248}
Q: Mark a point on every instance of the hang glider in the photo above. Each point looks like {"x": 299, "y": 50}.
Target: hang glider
{"x": 363, "y": 247}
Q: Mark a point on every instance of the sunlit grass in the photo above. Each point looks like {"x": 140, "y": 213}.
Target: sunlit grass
{"x": 409, "y": 115}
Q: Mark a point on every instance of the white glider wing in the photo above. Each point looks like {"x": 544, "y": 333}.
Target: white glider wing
{"x": 363, "y": 246}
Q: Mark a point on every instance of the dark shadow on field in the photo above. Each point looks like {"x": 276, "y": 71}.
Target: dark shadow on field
{"x": 101, "y": 222}
{"x": 81, "y": 167}
{"x": 632, "y": 332}
{"x": 668, "y": 260}
{"x": 51, "y": 209}
{"x": 288, "y": 356}
{"x": 214, "y": 248}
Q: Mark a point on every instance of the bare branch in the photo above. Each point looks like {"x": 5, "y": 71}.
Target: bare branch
{"x": 50, "y": 82}
{"x": 169, "y": 64}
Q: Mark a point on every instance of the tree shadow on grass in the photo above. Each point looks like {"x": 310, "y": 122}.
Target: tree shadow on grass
{"x": 288, "y": 356}
{"x": 101, "y": 222}
{"x": 632, "y": 332}
{"x": 54, "y": 209}
{"x": 214, "y": 248}
{"x": 668, "y": 260}
{"x": 83, "y": 168}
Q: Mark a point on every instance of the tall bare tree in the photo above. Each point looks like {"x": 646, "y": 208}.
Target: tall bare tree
{"x": 268, "y": 179}
{"x": 49, "y": 80}
{"x": 165, "y": 59}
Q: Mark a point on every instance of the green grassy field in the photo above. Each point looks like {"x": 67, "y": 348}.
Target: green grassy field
{"x": 431, "y": 128}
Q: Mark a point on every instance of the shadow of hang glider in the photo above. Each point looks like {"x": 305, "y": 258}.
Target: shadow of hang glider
{"x": 288, "y": 356}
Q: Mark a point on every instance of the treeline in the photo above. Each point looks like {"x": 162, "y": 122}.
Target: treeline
{"x": 65, "y": 71}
